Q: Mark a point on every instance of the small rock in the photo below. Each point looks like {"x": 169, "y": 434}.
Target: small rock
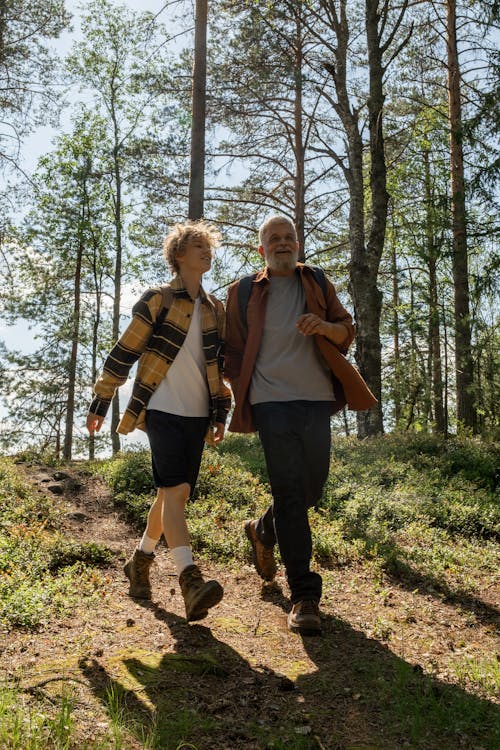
{"x": 77, "y": 515}
{"x": 56, "y": 489}
{"x": 72, "y": 485}
{"x": 60, "y": 475}
{"x": 130, "y": 622}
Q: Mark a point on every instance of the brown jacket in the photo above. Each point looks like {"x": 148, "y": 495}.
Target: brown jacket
{"x": 242, "y": 347}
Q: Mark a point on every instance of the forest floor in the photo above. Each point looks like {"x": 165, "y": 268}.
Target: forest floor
{"x": 138, "y": 673}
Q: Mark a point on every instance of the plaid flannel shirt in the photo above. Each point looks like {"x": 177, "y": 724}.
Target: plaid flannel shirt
{"x": 156, "y": 348}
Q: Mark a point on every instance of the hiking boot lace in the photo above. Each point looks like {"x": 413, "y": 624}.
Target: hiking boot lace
{"x": 309, "y": 607}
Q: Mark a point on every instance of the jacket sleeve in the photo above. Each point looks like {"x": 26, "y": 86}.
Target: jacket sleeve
{"x": 235, "y": 336}
{"x": 126, "y": 351}
{"x": 224, "y": 394}
{"x": 336, "y": 313}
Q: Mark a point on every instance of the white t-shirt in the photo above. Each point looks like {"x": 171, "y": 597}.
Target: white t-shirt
{"x": 184, "y": 389}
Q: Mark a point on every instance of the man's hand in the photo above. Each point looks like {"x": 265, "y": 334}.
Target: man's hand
{"x": 94, "y": 423}
{"x": 310, "y": 324}
{"x": 219, "y": 429}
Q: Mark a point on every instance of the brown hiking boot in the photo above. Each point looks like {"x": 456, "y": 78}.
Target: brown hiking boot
{"x": 263, "y": 557}
{"x": 199, "y": 595}
{"x": 137, "y": 571}
{"x": 304, "y": 618}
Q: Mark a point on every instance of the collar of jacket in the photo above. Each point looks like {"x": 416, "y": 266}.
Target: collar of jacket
{"x": 265, "y": 274}
{"x": 180, "y": 291}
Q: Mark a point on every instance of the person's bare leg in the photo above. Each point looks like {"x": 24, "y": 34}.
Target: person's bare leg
{"x": 173, "y": 514}
{"x": 137, "y": 567}
{"x": 154, "y": 526}
{"x": 199, "y": 595}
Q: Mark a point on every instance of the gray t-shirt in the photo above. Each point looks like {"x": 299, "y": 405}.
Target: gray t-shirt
{"x": 288, "y": 367}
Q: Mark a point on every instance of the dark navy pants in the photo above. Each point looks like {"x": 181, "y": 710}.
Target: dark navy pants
{"x": 295, "y": 436}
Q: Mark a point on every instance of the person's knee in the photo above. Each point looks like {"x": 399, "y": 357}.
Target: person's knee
{"x": 176, "y": 495}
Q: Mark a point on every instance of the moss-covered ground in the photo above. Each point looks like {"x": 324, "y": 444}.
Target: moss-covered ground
{"x": 406, "y": 538}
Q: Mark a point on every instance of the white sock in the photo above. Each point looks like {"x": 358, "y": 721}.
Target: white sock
{"x": 147, "y": 545}
{"x": 182, "y": 558}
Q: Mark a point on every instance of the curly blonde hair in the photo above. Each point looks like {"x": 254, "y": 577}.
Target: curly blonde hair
{"x": 176, "y": 240}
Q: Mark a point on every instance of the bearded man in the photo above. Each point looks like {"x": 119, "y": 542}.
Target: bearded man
{"x": 286, "y": 340}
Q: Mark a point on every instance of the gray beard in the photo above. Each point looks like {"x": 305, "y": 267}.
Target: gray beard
{"x": 283, "y": 264}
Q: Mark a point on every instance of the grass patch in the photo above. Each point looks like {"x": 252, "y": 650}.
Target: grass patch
{"x": 422, "y": 506}
{"x": 483, "y": 674}
{"x": 156, "y": 700}
{"x": 65, "y": 554}
{"x": 42, "y": 574}
{"x": 27, "y": 723}
{"x": 423, "y": 711}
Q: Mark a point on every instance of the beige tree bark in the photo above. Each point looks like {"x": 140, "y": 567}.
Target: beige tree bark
{"x": 434, "y": 344}
{"x": 367, "y": 225}
{"x": 198, "y": 110}
{"x": 466, "y": 412}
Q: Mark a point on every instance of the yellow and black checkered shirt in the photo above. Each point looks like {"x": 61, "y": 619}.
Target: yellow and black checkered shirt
{"x": 155, "y": 344}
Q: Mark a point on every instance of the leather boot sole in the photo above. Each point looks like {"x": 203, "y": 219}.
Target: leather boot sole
{"x": 306, "y": 629}
{"x": 206, "y": 597}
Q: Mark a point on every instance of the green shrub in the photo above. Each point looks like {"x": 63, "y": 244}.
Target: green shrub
{"x": 42, "y": 573}
{"x": 65, "y": 553}
{"x": 128, "y": 472}
{"x": 378, "y": 494}
{"x": 30, "y": 601}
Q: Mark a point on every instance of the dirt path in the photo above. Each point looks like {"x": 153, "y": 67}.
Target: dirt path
{"x": 239, "y": 679}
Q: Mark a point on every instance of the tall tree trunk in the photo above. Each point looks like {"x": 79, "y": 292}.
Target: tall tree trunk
{"x": 365, "y": 256}
{"x": 363, "y": 267}
{"x": 414, "y": 386}
{"x": 446, "y": 369}
{"x": 364, "y": 272}
{"x": 365, "y": 297}
{"x": 95, "y": 328}
{"x": 115, "y": 405}
{"x": 435, "y": 347}
{"x": 75, "y": 334}
{"x": 466, "y": 411}
{"x": 3, "y": 8}
{"x": 299, "y": 149}
{"x": 434, "y": 343}
{"x": 395, "y": 335}
{"x": 198, "y": 122}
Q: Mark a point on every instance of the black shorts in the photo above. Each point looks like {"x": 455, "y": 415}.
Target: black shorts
{"x": 176, "y": 447}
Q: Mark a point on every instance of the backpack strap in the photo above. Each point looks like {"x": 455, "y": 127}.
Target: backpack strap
{"x": 319, "y": 278}
{"x": 245, "y": 290}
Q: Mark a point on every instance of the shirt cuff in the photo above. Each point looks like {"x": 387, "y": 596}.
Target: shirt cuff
{"x": 99, "y": 406}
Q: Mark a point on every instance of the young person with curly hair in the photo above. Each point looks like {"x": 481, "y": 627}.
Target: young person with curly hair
{"x": 178, "y": 398}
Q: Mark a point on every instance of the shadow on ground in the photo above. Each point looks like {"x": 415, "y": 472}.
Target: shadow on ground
{"x": 401, "y": 573}
{"x": 362, "y": 697}
{"x": 201, "y": 692}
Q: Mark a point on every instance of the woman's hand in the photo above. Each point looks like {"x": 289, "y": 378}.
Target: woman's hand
{"x": 94, "y": 423}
